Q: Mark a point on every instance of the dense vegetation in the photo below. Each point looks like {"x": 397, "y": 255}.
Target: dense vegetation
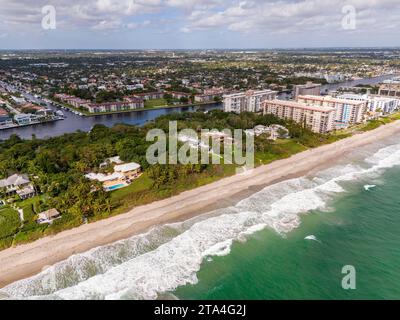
{"x": 57, "y": 167}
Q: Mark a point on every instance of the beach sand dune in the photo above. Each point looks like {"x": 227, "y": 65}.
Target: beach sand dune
{"x": 26, "y": 260}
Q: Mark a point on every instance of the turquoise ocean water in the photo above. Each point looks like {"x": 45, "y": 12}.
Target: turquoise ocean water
{"x": 257, "y": 249}
{"x": 362, "y": 230}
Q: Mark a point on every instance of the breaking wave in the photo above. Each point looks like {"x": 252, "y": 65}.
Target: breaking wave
{"x": 153, "y": 264}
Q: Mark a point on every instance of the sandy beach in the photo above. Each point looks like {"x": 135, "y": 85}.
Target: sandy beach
{"x": 23, "y": 261}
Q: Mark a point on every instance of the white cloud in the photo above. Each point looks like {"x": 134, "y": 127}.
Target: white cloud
{"x": 194, "y": 4}
{"x": 185, "y": 30}
{"x": 258, "y": 17}
{"x": 107, "y": 25}
{"x": 279, "y": 16}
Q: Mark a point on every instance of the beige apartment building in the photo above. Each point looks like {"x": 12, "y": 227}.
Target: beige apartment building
{"x": 319, "y": 119}
{"x": 347, "y": 112}
{"x": 390, "y": 88}
{"x": 309, "y": 88}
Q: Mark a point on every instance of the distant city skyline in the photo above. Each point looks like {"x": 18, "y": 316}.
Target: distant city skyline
{"x": 198, "y": 24}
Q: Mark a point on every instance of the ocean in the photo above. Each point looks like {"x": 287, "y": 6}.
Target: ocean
{"x": 290, "y": 240}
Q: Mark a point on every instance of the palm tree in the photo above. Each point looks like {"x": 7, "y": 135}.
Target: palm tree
{"x": 97, "y": 207}
{"x": 108, "y": 205}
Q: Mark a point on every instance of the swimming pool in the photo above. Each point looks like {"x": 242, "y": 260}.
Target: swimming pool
{"x": 117, "y": 186}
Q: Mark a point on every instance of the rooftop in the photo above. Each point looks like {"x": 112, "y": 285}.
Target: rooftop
{"x": 49, "y": 214}
{"x": 250, "y": 93}
{"x": 104, "y": 177}
{"x": 15, "y": 180}
{"x": 127, "y": 167}
{"x": 295, "y": 104}
{"x": 331, "y": 99}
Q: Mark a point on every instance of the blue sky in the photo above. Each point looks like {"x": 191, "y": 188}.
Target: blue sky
{"x": 192, "y": 24}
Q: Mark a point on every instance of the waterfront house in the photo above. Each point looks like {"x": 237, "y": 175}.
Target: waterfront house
{"x": 25, "y": 118}
{"x": 18, "y": 100}
{"x": 217, "y": 136}
{"x": 274, "y": 131}
{"x": 4, "y": 118}
{"x": 48, "y": 216}
{"x": 130, "y": 170}
{"x": 30, "y": 108}
{"x": 45, "y": 112}
{"x": 122, "y": 176}
{"x": 18, "y": 184}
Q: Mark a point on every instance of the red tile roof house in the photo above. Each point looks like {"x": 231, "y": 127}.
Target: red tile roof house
{"x": 31, "y": 106}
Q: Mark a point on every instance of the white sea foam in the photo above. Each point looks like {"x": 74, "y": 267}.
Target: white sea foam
{"x": 311, "y": 237}
{"x": 220, "y": 249}
{"x": 368, "y": 187}
{"x": 144, "y": 266}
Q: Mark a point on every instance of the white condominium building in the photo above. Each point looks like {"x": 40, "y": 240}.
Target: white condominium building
{"x": 384, "y": 104}
{"x": 375, "y": 102}
{"x": 319, "y": 119}
{"x": 247, "y": 101}
{"x": 346, "y": 111}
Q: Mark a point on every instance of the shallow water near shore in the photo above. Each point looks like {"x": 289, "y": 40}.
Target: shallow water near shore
{"x": 350, "y": 215}
{"x": 360, "y": 229}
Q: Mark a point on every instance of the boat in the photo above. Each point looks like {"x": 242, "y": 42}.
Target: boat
{"x": 60, "y": 114}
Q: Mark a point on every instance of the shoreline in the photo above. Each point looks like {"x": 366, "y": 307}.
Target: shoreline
{"x": 26, "y": 260}
{"x": 32, "y": 124}
{"x": 87, "y": 114}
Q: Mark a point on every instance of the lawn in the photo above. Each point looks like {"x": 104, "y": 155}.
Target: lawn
{"x": 371, "y": 125}
{"x": 153, "y": 103}
{"x": 9, "y": 224}
{"x": 140, "y": 192}
{"x": 138, "y": 185}
{"x": 30, "y": 230}
{"x": 281, "y": 148}
{"x": 395, "y": 116}
{"x": 29, "y": 207}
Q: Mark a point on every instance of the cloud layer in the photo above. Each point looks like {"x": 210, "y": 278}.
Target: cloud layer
{"x": 247, "y": 22}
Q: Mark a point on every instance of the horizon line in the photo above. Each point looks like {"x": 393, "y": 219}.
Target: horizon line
{"x": 198, "y": 49}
